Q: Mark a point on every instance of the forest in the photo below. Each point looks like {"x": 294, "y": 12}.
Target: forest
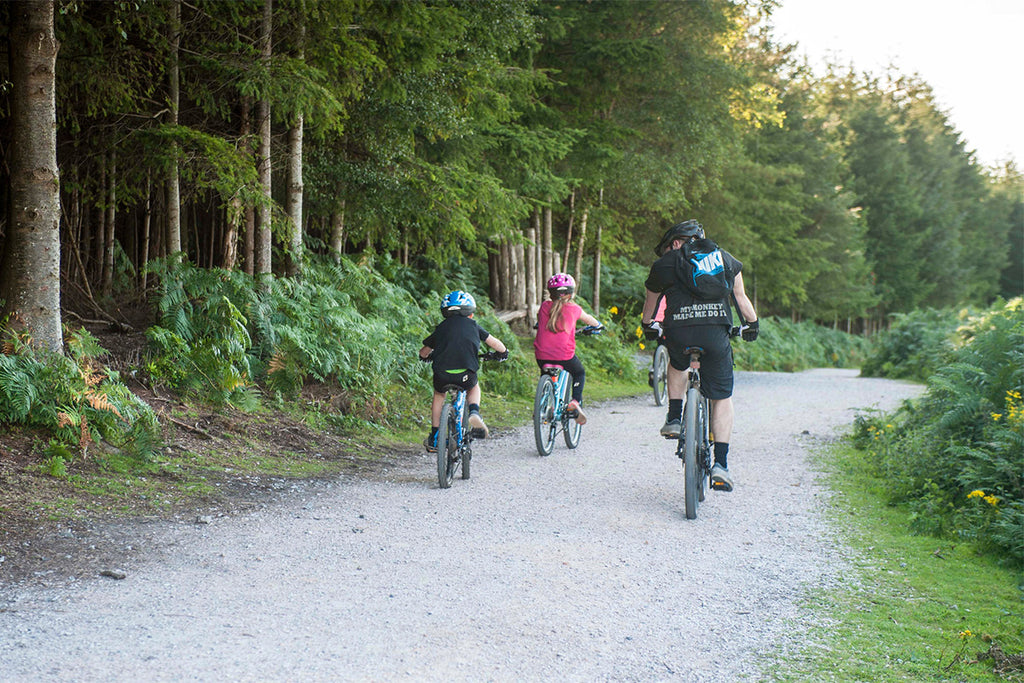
{"x": 439, "y": 137}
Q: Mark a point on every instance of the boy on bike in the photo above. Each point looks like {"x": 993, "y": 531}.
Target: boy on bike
{"x": 455, "y": 345}
{"x": 690, "y": 321}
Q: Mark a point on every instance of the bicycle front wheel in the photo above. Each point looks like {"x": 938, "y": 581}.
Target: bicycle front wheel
{"x": 544, "y": 415}
{"x": 447, "y": 447}
{"x": 659, "y": 375}
{"x": 691, "y": 441}
{"x": 571, "y": 429}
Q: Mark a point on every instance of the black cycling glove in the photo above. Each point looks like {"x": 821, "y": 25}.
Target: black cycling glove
{"x": 652, "y": 330}
{"x": 749, "y": 331}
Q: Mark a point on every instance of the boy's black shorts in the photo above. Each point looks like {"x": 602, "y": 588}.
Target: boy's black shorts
{"x": 465, "y": 380}
{"x": 716, "y": 379}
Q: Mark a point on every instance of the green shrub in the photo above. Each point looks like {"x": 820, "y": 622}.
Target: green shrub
{"x": 913, "y": 347}
{"x": 73, "y": 398}
{"x": 964, "y": 439}
{"x": 785, "y": 346}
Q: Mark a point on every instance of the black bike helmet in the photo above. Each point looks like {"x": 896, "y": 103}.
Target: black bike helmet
{"x": 685, "y": 230}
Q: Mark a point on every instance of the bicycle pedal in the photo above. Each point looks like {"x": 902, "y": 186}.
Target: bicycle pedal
{"x": 720, "y": 486}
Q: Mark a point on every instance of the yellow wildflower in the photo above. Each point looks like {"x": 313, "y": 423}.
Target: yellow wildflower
{"x": 976, "y": 493}
{"x": 614, "y": 310}
{"x": 642, "y": 347}
{"x": 996, "y": 416}
{"x": 991, "y": 500}
{"x": 639, "y": 331}
{"x": 965, "y": 634}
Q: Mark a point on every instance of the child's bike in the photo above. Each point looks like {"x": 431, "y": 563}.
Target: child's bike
{"x": 550, "y": 416}
{"x": 454, "y": 435}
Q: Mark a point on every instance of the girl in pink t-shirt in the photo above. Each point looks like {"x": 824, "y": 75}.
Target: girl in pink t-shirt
{"x": 556, "y": 335}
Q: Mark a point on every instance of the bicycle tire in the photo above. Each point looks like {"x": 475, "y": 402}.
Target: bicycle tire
{"x": 467, "y": 440}
{"x": 447, "y": 447}
{"x": 704, "y": 452}
{"x": 544, "y": 415}
{"x": 691, "y": 438}
{"x": 659, "y": 376}
{"x": 571, "y": 429}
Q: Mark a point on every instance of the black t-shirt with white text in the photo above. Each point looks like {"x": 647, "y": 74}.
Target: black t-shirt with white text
{"x": 682, "y": 308}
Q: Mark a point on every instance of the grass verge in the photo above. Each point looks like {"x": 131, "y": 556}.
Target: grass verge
{"x": 910, "y": 608}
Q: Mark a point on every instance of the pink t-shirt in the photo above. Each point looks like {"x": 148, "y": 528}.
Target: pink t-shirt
{"x": 557, "y": 345}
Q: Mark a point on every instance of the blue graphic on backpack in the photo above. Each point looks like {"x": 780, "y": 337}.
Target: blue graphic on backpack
{"x": 704, "y": 272}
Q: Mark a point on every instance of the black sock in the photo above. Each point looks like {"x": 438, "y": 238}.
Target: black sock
{"x": 721, "y": 454}
{"x": 474, "y": 408}
{"x": 433, "y": 432}
{"x": 675, "y": 409}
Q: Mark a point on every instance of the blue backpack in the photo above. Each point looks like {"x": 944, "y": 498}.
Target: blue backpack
{"x": 704, "y": 271}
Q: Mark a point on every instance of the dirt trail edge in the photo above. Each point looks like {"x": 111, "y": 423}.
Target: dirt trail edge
{"x": 576, "y": 567}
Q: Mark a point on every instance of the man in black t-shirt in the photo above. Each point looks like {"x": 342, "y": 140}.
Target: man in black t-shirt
{"x": 690, "y": 321}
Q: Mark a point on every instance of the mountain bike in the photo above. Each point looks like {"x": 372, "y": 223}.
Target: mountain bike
{"x": 696, "y": 443}
{"x": 454, "y": 435}
{"x": 550, "y": 416}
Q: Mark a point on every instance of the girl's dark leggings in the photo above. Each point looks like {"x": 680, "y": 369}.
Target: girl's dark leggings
{"x": 575, "y": 367}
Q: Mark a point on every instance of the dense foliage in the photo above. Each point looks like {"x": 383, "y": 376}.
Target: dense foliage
{"x": 433, "y": 127}
{"x": 956, "y": 456}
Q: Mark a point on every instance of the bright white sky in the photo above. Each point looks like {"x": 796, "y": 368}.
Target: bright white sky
{"x": 971, "y": 52}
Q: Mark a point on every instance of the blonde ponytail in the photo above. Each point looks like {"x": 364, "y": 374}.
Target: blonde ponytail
{"x": 555, "y": 316}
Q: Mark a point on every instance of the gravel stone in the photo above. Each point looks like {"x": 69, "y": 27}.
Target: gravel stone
{"x": 580, "y": 566}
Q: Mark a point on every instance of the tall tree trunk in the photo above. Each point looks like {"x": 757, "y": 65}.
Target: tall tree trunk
{"x": 30, "y": 272}
{"x": 109, "y": 232}
{"x": 578, "y": 270}
{"x": 531, "y": 275}
{"x": 248, "y": 214}
{"x": 539, "y": 250}
{"x": 295, "y": 188}
{"x": 147, "y": 222}
{"x": 519, "y": 258}
{"x": 568, "y": 231}
{"x": 338, "y": 232}
{"x": 548, "y": 262}
{"x": 100, "y": 231}
{"x": 263, "y": 236}
{"x": 596, "y": 301}
{"x": 173, "y": 233}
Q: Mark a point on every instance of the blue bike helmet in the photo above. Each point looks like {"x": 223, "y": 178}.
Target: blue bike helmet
{"x": 458, "y": 303}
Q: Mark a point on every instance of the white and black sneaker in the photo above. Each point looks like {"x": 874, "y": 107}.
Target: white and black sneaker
{"x": 720, "y": 480}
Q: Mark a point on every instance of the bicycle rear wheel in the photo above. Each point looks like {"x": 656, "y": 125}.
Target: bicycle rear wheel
{"x": 704, "y": 449}
{"x": 447, "y": 447}
{"x": 467, "y": 440}
{"x": 571, "y": 429}
{"x": 659, "y": 375}
{"x": 691, "y": 440}
{"x": 544, "y": 424}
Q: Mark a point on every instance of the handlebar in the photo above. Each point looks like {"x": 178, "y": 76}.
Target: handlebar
{"x": 589, "y": 330}
{"x": 489, "y": 355}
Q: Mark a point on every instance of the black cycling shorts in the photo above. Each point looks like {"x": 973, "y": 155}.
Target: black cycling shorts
{"x": 716, "y": 378}
{"x": 465, "y": 380}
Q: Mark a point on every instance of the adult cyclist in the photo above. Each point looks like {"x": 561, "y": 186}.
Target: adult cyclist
{"x": 690, "y": 321}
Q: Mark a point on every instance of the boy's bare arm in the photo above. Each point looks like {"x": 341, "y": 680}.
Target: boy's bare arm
{"x": 589, "y": 319}
{"x": 425, "y": 351}
{"x": 495, "y": 343}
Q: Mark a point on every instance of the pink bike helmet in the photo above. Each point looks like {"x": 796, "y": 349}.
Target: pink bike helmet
{"x": 561, "y": 283}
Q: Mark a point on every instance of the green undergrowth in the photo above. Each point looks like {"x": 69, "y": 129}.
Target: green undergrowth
{"x": 909, "y": 607}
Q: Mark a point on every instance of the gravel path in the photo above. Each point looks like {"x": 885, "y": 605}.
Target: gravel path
{"x": 576, "y": 567}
